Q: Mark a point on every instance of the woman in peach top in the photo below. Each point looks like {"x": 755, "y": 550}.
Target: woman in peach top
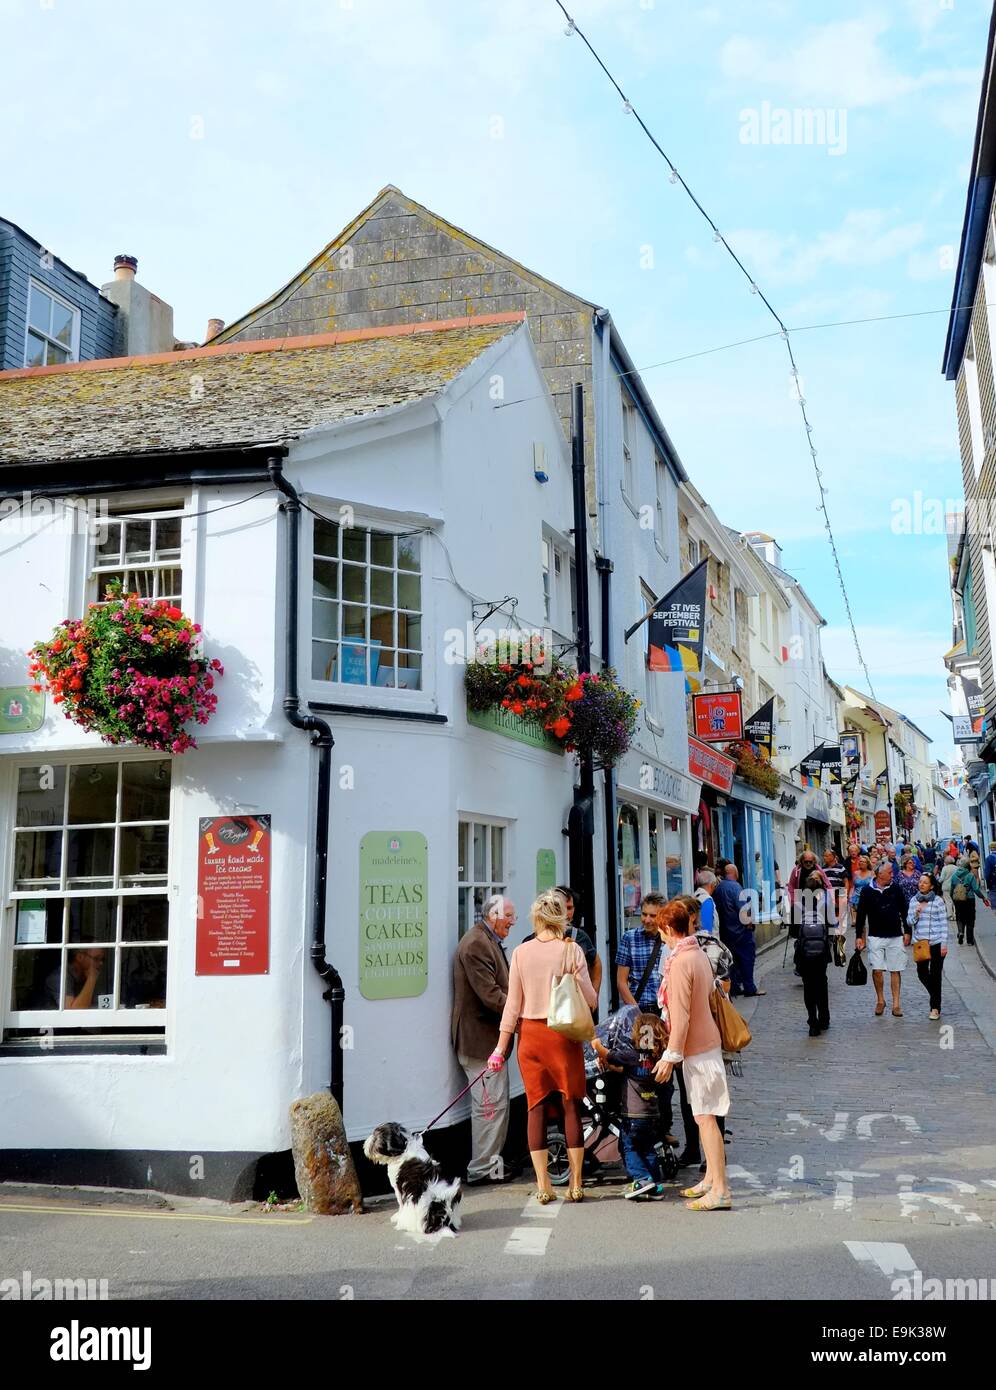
{"x": 694, "y": 1043}
{"x": 552, "y": 1066}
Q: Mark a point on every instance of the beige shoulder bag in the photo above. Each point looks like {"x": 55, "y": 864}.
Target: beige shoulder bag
{"x": 568, "y": 1013}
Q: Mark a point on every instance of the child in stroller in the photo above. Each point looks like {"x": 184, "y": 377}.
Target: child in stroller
{"x": 625, "y": 1112}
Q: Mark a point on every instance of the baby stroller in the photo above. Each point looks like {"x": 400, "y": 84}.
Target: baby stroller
{"x": 600, "y": 1113}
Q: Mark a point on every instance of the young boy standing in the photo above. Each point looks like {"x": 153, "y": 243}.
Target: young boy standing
{"x": 636, "y": 1054}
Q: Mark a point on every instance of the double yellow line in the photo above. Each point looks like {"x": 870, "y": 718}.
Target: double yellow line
{"x": 156, "y": 1215}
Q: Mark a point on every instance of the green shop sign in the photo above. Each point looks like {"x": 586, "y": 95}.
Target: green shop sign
{"x": 502, "y": 721}
{"x": 394, "y": 922}
{"x": 22, "y": 710}
{"x": 546, "y": 870}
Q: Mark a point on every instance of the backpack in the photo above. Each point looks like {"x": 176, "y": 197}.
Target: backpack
{"x": 812, "y": 942}
{"x": 959, "y": 890}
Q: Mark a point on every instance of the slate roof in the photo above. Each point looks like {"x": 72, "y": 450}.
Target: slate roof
{"x": 233, "y": 394}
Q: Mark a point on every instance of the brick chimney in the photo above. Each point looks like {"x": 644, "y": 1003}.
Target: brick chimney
{"x": 144, "y": 321}
{"x": 213, "y": 329}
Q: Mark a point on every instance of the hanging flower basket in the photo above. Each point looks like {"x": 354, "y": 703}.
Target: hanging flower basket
{"x": 132, "y": 671}
{"x": 853, "y": 819}
{"x": 902, "y": 804}
{"x": 586, "y": 714}
{"x": 755, "y": 769}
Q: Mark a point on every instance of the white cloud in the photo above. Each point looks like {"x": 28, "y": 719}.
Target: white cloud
{"x": 837, "y": 65}
{"x": 864, "y": 238}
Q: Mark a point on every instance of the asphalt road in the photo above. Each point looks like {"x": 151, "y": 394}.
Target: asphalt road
{"x": 857, "y": 1159}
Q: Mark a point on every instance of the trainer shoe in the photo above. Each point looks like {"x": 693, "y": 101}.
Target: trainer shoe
{"x": 640, "y": 1189}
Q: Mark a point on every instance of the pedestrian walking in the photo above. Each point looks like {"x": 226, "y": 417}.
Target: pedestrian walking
{"x": 862, "y": 877}
{"x": 836, "y": 875}
{"x": 989, "y": 868}
{"x": 480, "y": 988}
{"x": 551, "y": 1064}
{"x": 736, "y": 930}
{"x": 640, "y": 958}
{"x": 695, "y": 1044}
{"x": 812, "y": 950}
{"x": 882, "y": 919}
{"x": 965, "y": 888}
{"x": 929, "y": 920}
{"x": 947, "y": 873}
{"x": 908, "y": 878}
{"x": 705, "y": 886}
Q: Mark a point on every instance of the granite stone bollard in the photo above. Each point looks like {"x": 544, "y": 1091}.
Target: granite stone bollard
{"x": 323, "y": 1165}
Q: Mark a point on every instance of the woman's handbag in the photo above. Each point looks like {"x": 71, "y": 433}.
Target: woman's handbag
{"x": 856, "y": 971}
{"x": 733, "y": 1031}
{"x": 568, "y": 1013}
{"x": 921, "y": 950}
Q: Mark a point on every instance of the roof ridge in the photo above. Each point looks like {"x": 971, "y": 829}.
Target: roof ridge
{"x": 345, "y": 335}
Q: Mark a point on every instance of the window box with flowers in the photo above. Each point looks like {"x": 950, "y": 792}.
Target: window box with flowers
{"x": 132, "y": 671}
{"x": 584, "y": 714}
{"x": 754, "y": 768}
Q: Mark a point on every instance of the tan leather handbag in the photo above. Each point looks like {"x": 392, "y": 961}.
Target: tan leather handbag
{"x": 921, "y": 950}
{"x": 733, "y": 1031}
{"x": 568, "y": 1012}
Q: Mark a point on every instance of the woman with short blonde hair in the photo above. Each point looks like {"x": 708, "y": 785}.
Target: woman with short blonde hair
{"x": 552, "y": 1066}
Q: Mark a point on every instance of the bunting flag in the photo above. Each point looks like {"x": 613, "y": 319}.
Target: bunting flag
{"x": 811, "y": 768}
{"x": 831, "y": 764}
{"x": 760, "y": 727}
{"x": 676, "y": 628}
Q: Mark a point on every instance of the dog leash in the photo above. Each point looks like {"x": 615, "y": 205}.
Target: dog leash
{"x": 460, "y": 1097}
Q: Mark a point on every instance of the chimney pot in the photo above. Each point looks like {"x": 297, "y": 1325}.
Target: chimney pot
{"x": 125, "y": 267}
{"x": 213, "y": 329}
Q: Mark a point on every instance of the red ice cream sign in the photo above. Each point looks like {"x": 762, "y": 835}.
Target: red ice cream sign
{"x": 233, "y": 896}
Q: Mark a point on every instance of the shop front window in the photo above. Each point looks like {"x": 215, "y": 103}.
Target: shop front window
{"x": 89, "y": 893}
{"x": 480, "y": 868}
{"x": 629, "y": 863}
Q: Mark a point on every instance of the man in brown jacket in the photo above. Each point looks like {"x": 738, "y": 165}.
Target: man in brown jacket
{"x": 480, "y": 985}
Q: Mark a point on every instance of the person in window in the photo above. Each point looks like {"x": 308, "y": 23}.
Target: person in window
{"x": 85, "y": 966}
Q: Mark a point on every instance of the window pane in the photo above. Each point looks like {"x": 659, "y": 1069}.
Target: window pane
{"x": 324, "y": 618}
{"x": 93, "y": 794}
{"x": 141, "y": 582}
{"x": 324, "y": 661}
{"x": 462, "y": 862}
{"x": 326, "y": 538}
{"x": 143, "y": 851}
{"x": 62, "y": 324}
{"x": 36, "y": 983}
{"x": 34, "y": 354}
{"x": 89, "y": 858}
{"x": 145, "y": 791}
{"x": 93, "y": 919}
{"x": 167, "y": 538}
{"x": 382, "y": 625}
{"x": 382, "y": 587}
{"x": 354, "y": 544}
{"x": 85, "y": 964}
{"x": 55, "y": 356}
{"x": 497, "y": 852}
{"x": 410, "y": 591}
{"x": 106, "y": 580}
{"x": 463, "y": 911}
{"x": 169, "y": 584}
{"x": 354, "y": 583}
{"x": 37, "y": 859}
{"x": 409, "y": 632}
{"x": 408, "y": 558}
{"x": 39, "y": 920}
{"x": 381, "y": 549}
{"x": 326, "y": 579}
{"x": 354, "y": 622}
{"x": 480, "y": 853}
{"x": 480, "y": 894}
{"x": 108, "y": 541}
{"x": 143, "y": 977}
{"x": 39, "y": 309}
{"x": 409, "y": 671}
{"x": 138, "y": 541}
{"x": 386, "y": 660}
{"x": 144, "y": 919}
{"x": 40, "y": 795}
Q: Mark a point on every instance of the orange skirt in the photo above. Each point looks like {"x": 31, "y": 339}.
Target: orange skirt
{"x": 549, "y": 1062}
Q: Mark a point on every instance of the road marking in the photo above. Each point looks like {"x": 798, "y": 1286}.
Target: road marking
{"x": 161, "y": 1215}
{"x": 843, "y": 1197}
{"x": 734, "y": 1171}
{"x": 534, "y": 1207}
{"x": 832, "y": 1135}
{"x": 887, "y": 1256}
{"x": 863, "y": 1129}
{"x": 528, "y": 1240}
{"x": 910, "y": 1202}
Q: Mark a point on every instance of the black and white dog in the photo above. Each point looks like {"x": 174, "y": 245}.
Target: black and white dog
{"x": 428, "y": 1204}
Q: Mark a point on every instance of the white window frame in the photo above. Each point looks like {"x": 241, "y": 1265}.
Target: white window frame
{"x": 127, "y": 1024}
{"x": 73, "y": 351}
{"x": 141, "y": 511}
{"x": 694, "y": 555}
{"x": 628, "y": 480}
{"x": 549, "y": 568}
{"x": 652, "y": 691}
{"x": 467, "y": 883}
{"x": 361, "y": 692}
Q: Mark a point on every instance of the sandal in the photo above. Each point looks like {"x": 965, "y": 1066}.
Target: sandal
{"x": 718, "y": 1204}
{"x": 699, "y": 1190}
{"x": 897, "y": 1013}
{"x": 544, "y": 1198}
{"x": 880, "y": 1009}
{"x": 575, "y": 1194}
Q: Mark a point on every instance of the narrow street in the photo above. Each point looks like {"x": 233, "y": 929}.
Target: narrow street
{"x": 857, "y": 1158}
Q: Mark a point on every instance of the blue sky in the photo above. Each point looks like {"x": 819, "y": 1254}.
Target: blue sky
{"x": 225, "y": 144}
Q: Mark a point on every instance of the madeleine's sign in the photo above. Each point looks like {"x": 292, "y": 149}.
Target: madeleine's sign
{"x": 394, "y": 914}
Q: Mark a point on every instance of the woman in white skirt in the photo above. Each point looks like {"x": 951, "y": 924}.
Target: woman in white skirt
{"x": 694, "y": 1044}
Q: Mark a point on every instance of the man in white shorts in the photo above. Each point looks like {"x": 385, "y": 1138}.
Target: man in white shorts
{"x": 882, "y": 920}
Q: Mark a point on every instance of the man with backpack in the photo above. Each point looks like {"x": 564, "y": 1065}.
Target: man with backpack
{"x": 812, "y": 950}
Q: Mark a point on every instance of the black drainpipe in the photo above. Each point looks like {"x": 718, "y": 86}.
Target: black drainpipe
{"x": 604, "y": 568}
{"x": 321, "y": 738}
